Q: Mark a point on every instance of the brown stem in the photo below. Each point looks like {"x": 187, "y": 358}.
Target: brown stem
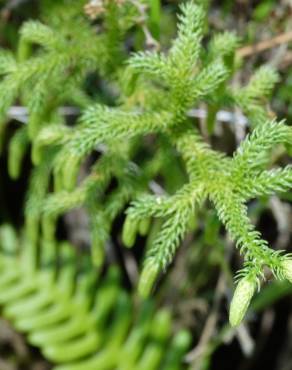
{"x": 283, "y": 38}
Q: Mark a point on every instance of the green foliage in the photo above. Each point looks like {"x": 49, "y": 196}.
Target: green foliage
{"x": 152, "y": 93}
{"x": 64, "y": 307}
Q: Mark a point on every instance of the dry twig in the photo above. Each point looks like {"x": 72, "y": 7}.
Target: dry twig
{"x": 283, "y": 38}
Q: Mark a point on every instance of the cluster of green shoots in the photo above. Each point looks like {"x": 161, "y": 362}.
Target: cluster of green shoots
{"x": 138, "y": 129}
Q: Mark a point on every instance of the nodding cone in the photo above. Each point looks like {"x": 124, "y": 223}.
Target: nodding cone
{"x": 147, "y": 279}
{"x": 287, "y": 269}
{"x": 241, "y": 300}
{"x": 144, "y": 226}
{"x": 129, "y": 233}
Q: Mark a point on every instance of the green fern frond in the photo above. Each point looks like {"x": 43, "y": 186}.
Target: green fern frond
{"x": 59, "y": 313}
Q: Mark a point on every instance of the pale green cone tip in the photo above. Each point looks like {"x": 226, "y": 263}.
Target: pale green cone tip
{"x": 129, "y": 232}
{"x": 36, "y": 154}
{"x": 241, "y": 300}
{"x": 147, "y": 279}
{"x": 287, "y": 269}
{"x": 144, "y": 226}
{"x": 98, "y": 253}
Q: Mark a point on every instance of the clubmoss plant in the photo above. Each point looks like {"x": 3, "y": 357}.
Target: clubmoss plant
{"x": 141, "y": 129}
